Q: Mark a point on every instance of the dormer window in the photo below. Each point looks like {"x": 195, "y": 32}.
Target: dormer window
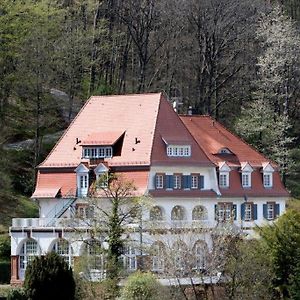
{"x": 224, "y": 151}
{"x": 267, "y": 180}
{"x": 179, "y": 150}
{"x": 82, "y": 174}
{"x": 224, "y": 179}
{"x": 246, "y": 180}
{"x": 224, "y": 171}
{"x": 246, "y": 170}
{"x": 97, "y": 152}
{"x": 267, "y": 175}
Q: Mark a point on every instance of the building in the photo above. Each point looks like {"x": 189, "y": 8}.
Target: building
{"x": 194, "y": 169}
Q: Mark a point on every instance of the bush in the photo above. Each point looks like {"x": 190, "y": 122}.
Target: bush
{"x": 16, "y": 294}
{"x": 141, "y": 286}
{"x": 4, "y": 247}
{"x": 4, "y": 271}
{"x": 49, "y": 277}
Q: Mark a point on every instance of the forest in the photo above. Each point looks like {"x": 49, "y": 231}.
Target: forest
{"x": 236, "y": 60}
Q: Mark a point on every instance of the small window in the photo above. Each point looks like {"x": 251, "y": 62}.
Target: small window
{"x": 248, "y": 212}
{"x": 194, "y": 181}
{"x": 199, "y": 213}
{"x": 158, "y": 255}
{"x": 159, "y": 181}
{"x": 129, "y": 258}
{"x": 246, "y": 180}
{"x": 270, "y": 211}
{"x": 83, "y": 181}
{"x": 156, "y": 213}
{"x": 180, "y": 151}
{"x": 224, "y": 180}
{"x": 267, "y": 180}
{"x": 178, "y": 213}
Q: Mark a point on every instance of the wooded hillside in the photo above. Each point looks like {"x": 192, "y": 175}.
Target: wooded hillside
{"x": 237, "y": 60}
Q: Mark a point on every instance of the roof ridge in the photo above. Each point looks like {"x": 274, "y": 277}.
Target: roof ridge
{"x": 124, "y": 95}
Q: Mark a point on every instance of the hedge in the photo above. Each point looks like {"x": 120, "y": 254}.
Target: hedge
{"x": 4, "y": 271}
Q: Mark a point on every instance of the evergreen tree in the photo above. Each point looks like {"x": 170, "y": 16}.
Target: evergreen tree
{"x": 49, "y": 277}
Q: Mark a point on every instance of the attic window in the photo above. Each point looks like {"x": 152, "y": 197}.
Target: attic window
{"x": 224, "y": 151}
{"x": 97, "y": 152}
{"x": 179, "y": 150}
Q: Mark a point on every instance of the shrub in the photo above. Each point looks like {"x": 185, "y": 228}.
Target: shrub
{"x": 49, "y": 277}
{"x": 141, "y": 286}
{"x": 16, "y": 294}
{"x": 4, "y": 271}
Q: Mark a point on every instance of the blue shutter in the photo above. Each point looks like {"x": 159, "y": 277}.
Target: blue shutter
{"x": 254, "y": 207}
{"x": 243, "y": 211}
{"x": 169, "y": 181}
{"x": 155, "y": 181}
{"x": 186, "y": 181}
{"x": 234, "y": 211}
{"x": 277, "y": 210}
{"x": 265, "y": 213}
{"x": 201, "y": 182}
{"x": 216, "y": 212}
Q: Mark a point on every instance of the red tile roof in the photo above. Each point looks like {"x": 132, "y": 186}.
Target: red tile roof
{"x": 134, "y": 114}
{"x": 108, "y": 138}
{"x": 171, "y": 130}
{"x": 212, "y": 136}
{"x": 49, "y": 181}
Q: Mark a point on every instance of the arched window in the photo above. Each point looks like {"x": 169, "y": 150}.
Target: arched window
{"x": 95, "y": 260}
{"x": 200, "y": 253}
{"x": 156, "y": 213}
{"x": 28, "y": 252}
{"x": 158, "y": 256}
{"x": 199, "y": 213}
{"x": 180, "y": 255}
{"x": 63, "y": 248}
{"x": 178, "y": 213}
{"x": 129, "y": 258}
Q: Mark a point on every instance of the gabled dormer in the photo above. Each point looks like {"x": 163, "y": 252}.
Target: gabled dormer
{"x": 224, "y": 171}
{"x": 267, "y": 171}
{"x": 177, "y": 148}
{"x": 82, "y": 178}
{"x": 100, "y": 171}
{"x": 224, "y": 151}
{"x": 246, "y": 171}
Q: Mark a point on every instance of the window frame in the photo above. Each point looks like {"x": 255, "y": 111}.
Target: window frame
{"x": 179, "y": 150}
{"x": 271, "y": 205}
{"x": 177, "y": 181}
{"x": 195, "y": 181}
{"x": 248, "y": 213}
{"x": 224, "y": 179}
{"x": 246, "y": 179}
{"x": 159, "y": 178}
{"x": 228, "y": 213}
{"x": 268, "y": 183}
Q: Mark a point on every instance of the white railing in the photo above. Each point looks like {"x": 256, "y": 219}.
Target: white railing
{"x": 48, "y": 222}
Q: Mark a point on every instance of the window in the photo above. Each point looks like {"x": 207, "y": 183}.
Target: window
{"x": 28, "y": 252}
{"x": 248, "y": 212}
{"x": 178, "y": 213}
{"x": 129, "y": 258}
{"x": 225, "y": 211}
{"x": 246, "y": 182}
{"x": 158, "y": 251}
{"x": 97, "y": 152}
{"x": 224, "y": 180}
{"x": 83, "y": 181}
{"x": 267, "y": 180}
{"x": 180, "y": 151}
{"x": 194, "y": 181}
{"x": 199, "y": 213}
{"x": 177, "y": 181}
{"x": 200, "y": 252}
{"x": 270, "y": 211}
{"x": 63, "y": 248}
{"x": 159, "y": 181}
{"x": 156, "y": 213}
{"x": 180, "y": 253}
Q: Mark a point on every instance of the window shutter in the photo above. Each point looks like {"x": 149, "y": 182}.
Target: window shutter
{"x": 201, "y": 182}
{"x": 155, "y": 180}
{"x": 254, "y": 207}
{"x": 234, "y": 212}
{"x": 189, "y": 181}
{"x": 277, "y": 210}
{"x": 216, "y": 212}
{"x": 265, "y": 213}
{"x": 169, "y": 181}
{"x": 243, "y": 211}
{"x": 186, "y": 181}
{"x": 164, "y": 181}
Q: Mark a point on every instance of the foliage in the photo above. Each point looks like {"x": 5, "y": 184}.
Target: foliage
{"x": 16, "y": 294}
{"x": 141, "y": 286}
{"x": 4, "y": 271}
{"x": 282, "y": 242}
{"x": 49, "y": 277}
{"x": 248, "y": 271}
{"x": 4, "y": 247}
